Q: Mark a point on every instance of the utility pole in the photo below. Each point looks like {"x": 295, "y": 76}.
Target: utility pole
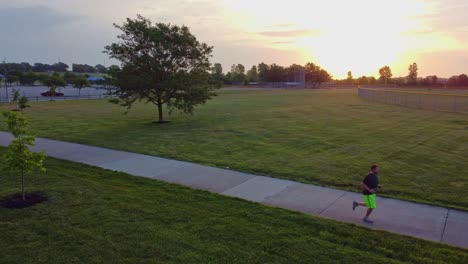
{"x": 5, "y": 81}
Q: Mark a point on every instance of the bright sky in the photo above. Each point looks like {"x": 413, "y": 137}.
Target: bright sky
{"x": 340, "y": 35}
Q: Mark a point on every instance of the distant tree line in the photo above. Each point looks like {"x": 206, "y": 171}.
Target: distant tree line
{"x": 50, "y": 79}
{"x": 50, "y": 74}
{"x": 270, "y": 73}
{"x": 412, "y": 79}
{"x": 316, "y": 75}
{"x": 6, "y": 68}
{"x": 85, "y": 68}
{"x": 27, "y": 74}
{"x": 36, "y": 67}
{"x": 460, "y": 80}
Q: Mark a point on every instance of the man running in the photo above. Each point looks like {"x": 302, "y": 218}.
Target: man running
{"x": 369, "y": 187}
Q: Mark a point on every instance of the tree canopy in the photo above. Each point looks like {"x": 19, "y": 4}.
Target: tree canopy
{"x": 252, "y": 74}
{"x": 100, "y": 68}
{"x": 385, "y": 73}
{"x": 80, "y": 82}
{"x": 162, "y": 64}
{"x": 316, "y": 75}
{"x": 54, "y": 80}
{"x": 412, "y": 73}
{"x": 83, "y": 68}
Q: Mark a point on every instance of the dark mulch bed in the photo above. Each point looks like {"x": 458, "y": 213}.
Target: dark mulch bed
{"x": 161, "y": 122}
{"x": 15, "y": 200}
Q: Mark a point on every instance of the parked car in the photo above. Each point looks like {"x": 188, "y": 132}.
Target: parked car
{"x": 48, "y": 93}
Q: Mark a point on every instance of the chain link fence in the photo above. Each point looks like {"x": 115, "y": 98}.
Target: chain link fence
{"x": 63, "y": 98}
{"x": 457, "y": 103}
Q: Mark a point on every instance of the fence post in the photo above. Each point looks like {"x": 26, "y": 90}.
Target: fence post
{"x": 455, "y": 103}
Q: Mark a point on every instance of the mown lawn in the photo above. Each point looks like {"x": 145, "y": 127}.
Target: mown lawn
{"x": 325, "y": 137}
{"x": 99, "y": 216}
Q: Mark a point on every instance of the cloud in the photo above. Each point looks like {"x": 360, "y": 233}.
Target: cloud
{"x": 34, "y": 19}
{"x": 282, "y": 42}
{"x": 290, "y": 33}
{"x": 418, "y": 32}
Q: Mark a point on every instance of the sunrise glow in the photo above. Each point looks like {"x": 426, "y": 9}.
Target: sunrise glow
{"x": 346, "y": 35}
{"x": 358, "y": 36}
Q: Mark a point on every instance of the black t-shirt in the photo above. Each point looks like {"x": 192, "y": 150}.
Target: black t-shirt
{"x": 371, "y": 181}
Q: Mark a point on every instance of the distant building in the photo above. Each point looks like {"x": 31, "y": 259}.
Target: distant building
{"x": 95, "y": 79}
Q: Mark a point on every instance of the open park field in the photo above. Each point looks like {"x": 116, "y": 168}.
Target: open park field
{"x": 98, "y": 216}
{"x": 325, "y": 137}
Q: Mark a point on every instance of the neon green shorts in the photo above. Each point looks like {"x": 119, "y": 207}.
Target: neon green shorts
{"x": 370, "y": 201}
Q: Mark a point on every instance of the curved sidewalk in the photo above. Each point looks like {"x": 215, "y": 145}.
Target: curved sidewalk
{"x": 419, "y": 220}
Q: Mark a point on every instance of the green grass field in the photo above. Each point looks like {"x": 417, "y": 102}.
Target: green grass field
{"x": 325, "y": 137}
{"x": 99, "y": 216}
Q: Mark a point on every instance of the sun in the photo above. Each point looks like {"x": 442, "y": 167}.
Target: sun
{"x": 360, "y": 36}
{"x": 364, "y": 35}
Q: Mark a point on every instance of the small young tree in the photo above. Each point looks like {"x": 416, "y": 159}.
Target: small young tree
{"x": 16, "y": 95}
{"x": 79, "y": 82}
{"x": 23, "y": 103}
{"x": 53, "y": 90}
{"x": 18, "y": 157}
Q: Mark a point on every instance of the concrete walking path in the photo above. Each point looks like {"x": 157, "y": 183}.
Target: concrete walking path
{"x": 419, "y": 220}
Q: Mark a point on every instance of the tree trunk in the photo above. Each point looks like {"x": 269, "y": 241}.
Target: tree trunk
{"x": 160, "y": 113}
{"x": 79, "y": 92}
{"x": 23, "y": 195}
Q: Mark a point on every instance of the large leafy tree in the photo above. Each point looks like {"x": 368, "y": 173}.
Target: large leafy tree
{"x": 80, "y": 82}
{"x": 238, "y": 73}
{"x": 162, "y": 64}
{"x": 217, "y": 72}
{"x": 263, "y": 71}
{"x": 412, "y": 73}
{"x": 385, "y": 73}
{"x": 101, "y": 68}
{"x": 53, "y": 81}
{"x": 28, "y": 78}
{"x": 252, "y": 74}
{"x": 316, "y": 75}
{"x": 10, "y": 79}
{"x": 59, "y": 67}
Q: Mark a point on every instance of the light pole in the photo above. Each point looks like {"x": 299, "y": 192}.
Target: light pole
{"x": 5, "y": 81}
